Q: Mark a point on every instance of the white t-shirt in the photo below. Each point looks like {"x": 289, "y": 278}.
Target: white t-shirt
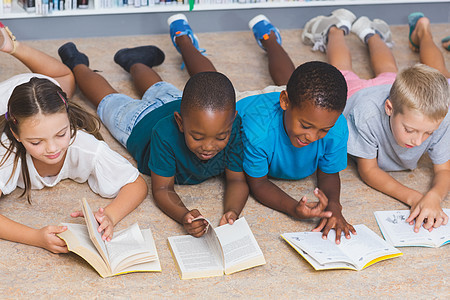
{"x": 7, "y": 87}
{"x": 87, "y": 159}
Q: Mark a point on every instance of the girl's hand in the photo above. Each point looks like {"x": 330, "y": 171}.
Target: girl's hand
{"x": 228, "y": 218}
{"x": 51, "y": 242}
{"x": 194, "y": 227}
{"x": 105, "y": 223}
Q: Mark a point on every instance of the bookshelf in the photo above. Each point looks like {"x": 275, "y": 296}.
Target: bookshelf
{"x": 96, "y": 9}
{"x": 287, "y": 14}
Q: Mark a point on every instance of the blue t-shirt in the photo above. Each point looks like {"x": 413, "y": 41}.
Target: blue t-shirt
{"x": 269, "y": 151}
{"x": 157, "y": 145}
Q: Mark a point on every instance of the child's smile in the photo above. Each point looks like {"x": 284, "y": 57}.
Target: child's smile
{"x": 308, "y": 123}
{"x": 206, "y": 132}
{"x": 46, "y": 137}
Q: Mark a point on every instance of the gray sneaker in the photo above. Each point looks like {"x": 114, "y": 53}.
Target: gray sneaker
{"x": 364, "y": 26}
{"x": 316, "y": 30}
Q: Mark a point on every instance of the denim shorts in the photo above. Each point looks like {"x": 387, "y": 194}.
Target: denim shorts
{"x": 120, "y": 113}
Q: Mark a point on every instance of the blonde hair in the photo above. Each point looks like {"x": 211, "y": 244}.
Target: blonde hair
{"x": 423, "y": 89}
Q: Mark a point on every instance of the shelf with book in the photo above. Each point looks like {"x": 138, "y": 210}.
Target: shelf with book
{"x": 111, "y": 7}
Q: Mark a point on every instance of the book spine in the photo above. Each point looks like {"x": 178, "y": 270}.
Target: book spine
{"x": 82, "y": 4}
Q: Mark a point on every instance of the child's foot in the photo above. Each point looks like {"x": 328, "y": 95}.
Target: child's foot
{"x": 261, "y": 27}
{"x": 316, "y": 30}
{"x": 179, "y": 26}
{"x": 147, "y": 55}
{"x": 413, "y": 19}
{"x": 364, "y": 28}
{"x": 8, "y": 41}
{"x": 446, "y": 43}
{"x": 71, "y": 57}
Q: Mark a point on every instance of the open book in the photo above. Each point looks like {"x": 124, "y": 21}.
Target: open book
{"x": 226, "y": 249}
{"x": 398, "y": 233}
{"x": 360, "y": 251}
{"x": 130, "y": 250}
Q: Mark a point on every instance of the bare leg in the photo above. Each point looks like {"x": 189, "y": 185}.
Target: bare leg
{"x": 39, "y": 62}
{"x": 430, "y": 54}
{"x": 143, "y": 77}
{"x": 280, "y": 64}
{"x": 381, "y": 57}
{"x": 338, "y": 54}
{"x": 93, "y": 85}
{"x": 194, "y": 60}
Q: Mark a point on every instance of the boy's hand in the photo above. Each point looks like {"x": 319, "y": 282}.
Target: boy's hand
{"x": 336, "y": 222}
{"x": 105, "y": 223}
{"x": 195, "y": 228}
{"x": 51, "y": 242}
{"x": 429, "y": 212}
{"x": 228, "y": 218}
{"x": 305, "y": 210}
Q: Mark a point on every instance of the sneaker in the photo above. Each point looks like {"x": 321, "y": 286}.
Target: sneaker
{"x": 147, "y": 55}
{"x": 316, "y": 30}
{"x": 364, "y": 28}
{"x": 71, "y": 57}
{"x": 9, "y": 44}
{"x": 179, "y": 26}
{"x": 261, "y": 28}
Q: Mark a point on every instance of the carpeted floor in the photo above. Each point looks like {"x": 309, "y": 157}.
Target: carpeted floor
{"x": 29, "y": 272}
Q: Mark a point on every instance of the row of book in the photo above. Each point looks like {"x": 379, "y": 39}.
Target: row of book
{"x": 44, "y": 7}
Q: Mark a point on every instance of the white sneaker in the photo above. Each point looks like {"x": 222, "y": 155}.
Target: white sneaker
{"x": 363, "y": 26}
{"x": 316, "y": 30}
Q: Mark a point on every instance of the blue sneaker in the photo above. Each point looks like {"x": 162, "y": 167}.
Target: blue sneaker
{"x": 179, "y": 26}
{"x": 261, "y": 28}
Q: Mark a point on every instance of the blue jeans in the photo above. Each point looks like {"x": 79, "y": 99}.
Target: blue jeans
{"x": 120, "y": 113}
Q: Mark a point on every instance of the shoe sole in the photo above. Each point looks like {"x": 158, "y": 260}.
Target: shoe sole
{"x": 256, "y": 20}
{"x": 341, "y": 13}
{"x": 176, "y": 17}
{"x": 307, "y": 37}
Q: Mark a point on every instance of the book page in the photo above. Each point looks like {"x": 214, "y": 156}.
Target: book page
{"x": 316, "y": 265}
{"x": 399, "y": 233}
{"x": 323, "y": 251}
{"x": 127, "y": 247}
{"x": 358, "y": 251}
{"x": 365, "y": 246}
{"x": 238, "y": 245}
{"x": 92, "y": 226}
{"x": 150, "y": 266}
{"x": 197, "y": 257}
{"x": 78, "y": 241}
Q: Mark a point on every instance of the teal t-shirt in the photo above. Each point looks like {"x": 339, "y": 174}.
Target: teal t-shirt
{"x": 157, "y": 145}
{"x": 268, "y": 150}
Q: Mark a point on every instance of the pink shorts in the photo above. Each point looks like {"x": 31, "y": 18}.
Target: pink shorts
{"x": 354, "y": 83}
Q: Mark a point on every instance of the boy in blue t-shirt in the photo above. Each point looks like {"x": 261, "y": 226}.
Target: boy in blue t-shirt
{"x": 183, "y": 142}
{"x": 293, "y": 133}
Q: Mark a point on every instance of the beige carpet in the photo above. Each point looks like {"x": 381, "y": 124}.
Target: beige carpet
{"x": 29, "y": 272}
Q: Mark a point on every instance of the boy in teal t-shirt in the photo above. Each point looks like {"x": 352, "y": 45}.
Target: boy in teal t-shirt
{"x": 184, "y": 142}
{"x": 293, "y": 133}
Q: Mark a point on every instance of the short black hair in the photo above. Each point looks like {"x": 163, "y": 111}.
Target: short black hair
{"x": 208, "y": 91}
{"x": 319, "y": 82}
